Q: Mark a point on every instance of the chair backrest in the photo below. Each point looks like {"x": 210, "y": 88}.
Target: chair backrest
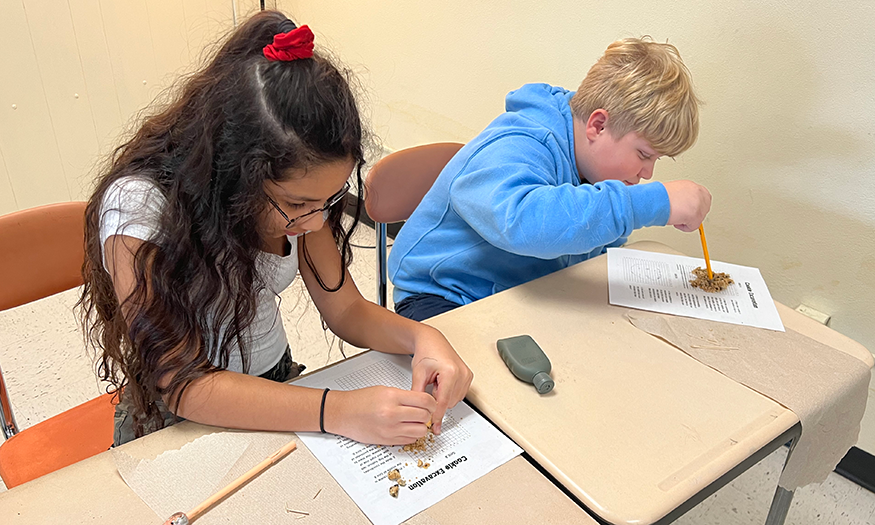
{"x": 398, "y": 182}
{"x": 394, "y": 188}
{"x": 41, "y": 252}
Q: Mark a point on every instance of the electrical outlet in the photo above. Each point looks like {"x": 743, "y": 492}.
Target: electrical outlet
{"x": 818, "y": 316}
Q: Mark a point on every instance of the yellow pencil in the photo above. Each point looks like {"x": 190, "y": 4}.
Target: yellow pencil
{"x": 705, "y": 249}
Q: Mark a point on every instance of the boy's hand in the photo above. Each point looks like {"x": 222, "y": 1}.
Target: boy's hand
{"x": 379, "y": 414}
{"x": 690, "y": 202}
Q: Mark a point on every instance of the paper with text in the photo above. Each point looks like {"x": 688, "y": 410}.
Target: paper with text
{"x": 468, "y": 447}
{"x": 660, "y": 282}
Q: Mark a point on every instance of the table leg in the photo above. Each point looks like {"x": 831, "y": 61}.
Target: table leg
{"x": 783, "y": 497}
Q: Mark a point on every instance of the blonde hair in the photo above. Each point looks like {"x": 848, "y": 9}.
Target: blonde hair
{"x": 646, "y": 88}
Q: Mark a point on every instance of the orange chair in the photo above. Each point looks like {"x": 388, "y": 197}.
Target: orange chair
{"x": 41, "y": 254}
{"x": 394, "y": 188}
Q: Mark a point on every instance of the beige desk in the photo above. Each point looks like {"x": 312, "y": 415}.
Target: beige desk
{"x": 635, "y": 429}
{"x": 93, "y": 492}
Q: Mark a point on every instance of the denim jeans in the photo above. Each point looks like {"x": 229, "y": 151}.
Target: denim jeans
{"x": 422, "y": 306}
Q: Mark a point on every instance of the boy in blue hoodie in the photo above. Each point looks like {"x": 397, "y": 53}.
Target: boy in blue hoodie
{"x": 553, "y": 181}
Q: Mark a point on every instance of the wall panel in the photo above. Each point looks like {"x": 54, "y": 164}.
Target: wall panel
{"x": 79, "y": 74}
{"x": 26, "y": 134}
{"x": 166, "y": 22}
{"x": 7, "y": 196}
{"x": 94, "y": 60}
{"x": 60, "y": 69}
{"x": 131, "y": 54}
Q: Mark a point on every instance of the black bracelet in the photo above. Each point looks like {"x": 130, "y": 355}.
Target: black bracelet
{"x": 322, "y": 411}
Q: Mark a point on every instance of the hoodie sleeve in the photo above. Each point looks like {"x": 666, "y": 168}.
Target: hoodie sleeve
{"x": 511, "y": 193}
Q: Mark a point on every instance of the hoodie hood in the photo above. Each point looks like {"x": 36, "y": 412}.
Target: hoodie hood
{"x": 545, "y": 106}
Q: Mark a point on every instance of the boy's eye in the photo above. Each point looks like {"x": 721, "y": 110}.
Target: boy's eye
{"x": 643, "y": 156}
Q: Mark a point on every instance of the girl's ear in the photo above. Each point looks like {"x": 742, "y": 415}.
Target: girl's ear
{"x": 596, "y": 124}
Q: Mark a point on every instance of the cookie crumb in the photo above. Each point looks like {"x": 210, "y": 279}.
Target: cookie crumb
{"x": 393, "y": 491}
{"x": 720, "y": 282}
{"x": 420, "y": 444}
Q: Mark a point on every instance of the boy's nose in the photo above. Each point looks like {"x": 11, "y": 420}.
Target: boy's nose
{"x": 646, "y": 172}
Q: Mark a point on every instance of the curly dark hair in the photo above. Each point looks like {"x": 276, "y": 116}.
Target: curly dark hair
{"x": 238, "y": 122}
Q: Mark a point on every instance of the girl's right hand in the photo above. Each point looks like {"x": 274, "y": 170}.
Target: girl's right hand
{"x": 379, "y": 414}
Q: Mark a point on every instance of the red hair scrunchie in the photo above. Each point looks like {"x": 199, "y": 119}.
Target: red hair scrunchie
{"x": 294, "y": 45}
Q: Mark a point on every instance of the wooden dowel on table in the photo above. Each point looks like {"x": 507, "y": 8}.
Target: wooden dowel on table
{"x": 183, "y": 518}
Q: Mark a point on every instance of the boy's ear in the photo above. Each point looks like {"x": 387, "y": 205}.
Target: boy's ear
{"x": 596, "y": 124}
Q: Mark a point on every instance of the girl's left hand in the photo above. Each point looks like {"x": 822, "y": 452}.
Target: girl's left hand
{"x": 435, "y": 362}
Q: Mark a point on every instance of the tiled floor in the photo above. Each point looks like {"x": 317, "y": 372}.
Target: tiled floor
{"x": 47, "y": 372}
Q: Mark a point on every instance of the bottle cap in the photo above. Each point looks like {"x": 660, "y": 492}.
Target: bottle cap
{"x": 543, "y": 382}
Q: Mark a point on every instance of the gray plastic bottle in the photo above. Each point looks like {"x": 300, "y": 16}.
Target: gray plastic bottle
{"x": 527, "y": 361}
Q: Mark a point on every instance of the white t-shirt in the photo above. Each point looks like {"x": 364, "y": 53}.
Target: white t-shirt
{"x": 131, "y": 207}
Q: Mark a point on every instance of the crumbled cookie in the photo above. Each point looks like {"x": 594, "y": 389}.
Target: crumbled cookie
{"x": 394, "y": 474}
{"x": 393, "y": 491}
{"x": 720, "y": 282}
{"x": 420, "y": 444}
{"x": 416, "y": 446}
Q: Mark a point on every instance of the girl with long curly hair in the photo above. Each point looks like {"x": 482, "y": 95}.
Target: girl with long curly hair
{"x": 206, "y": 214}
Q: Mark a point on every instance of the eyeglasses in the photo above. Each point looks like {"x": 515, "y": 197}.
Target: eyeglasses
{"x": 334, "y": 199}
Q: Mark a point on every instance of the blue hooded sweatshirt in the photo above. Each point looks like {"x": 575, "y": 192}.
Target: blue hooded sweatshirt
{"x": 510, "y": 207}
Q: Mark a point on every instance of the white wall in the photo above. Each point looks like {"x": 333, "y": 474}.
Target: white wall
{"x": 786, "y": 146}
{"x": 75, "y": 74}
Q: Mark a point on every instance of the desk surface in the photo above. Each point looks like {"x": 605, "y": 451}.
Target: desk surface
{"x": 92, "y": 491}
{"x": 623, "y": 439}
{"x": 634, "y": 427}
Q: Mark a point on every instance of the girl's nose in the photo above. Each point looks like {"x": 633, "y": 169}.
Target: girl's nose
{"x": 317, "y": 220}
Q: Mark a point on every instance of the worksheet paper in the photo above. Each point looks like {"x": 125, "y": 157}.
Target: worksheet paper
{"x": 660, "y": 282}
{"x": 468, "y": 447}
